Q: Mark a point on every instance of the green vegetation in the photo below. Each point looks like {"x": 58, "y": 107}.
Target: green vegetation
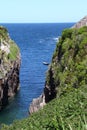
{"x": 67, "y": 74}
{"x": 7, "y": 42}
{"x": 69, "y": 112}
{"x": 3, "y": 33}
{"x": 69, "y": 62}
{"x": 14, "y": 50}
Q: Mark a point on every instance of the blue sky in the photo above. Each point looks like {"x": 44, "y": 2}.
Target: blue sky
{"x": 42, "y": 11}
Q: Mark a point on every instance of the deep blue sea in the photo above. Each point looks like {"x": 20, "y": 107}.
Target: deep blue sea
{"x": 37, "y": 43}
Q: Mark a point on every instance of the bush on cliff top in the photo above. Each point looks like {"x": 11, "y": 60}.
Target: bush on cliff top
{"x": 7, "y": 42}
{"x": 3, "y": 33}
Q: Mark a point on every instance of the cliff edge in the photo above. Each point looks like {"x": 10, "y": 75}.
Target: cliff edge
{"x": 9, "y": 67}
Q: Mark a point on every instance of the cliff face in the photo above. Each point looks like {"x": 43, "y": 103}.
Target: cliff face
{"x": 9, "y": 67}
{"x": 68, "y": 68}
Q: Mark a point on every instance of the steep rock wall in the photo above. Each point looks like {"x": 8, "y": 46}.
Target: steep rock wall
{"x": 9, "y": 67}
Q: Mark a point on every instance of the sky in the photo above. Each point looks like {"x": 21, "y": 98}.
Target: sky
{"x": 42, "y": 11}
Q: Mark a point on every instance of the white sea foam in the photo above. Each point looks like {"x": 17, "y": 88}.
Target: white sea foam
{"x": 56, "y": 39}
{"x": 49, "y": 39}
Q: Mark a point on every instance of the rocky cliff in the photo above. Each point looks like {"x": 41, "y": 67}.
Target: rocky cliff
{"x": 81, "y": 23}
{"x": 9, "y": 67}
{"x": 68, "y": 68}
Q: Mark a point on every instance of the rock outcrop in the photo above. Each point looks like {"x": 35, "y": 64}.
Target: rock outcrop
{"x": 81, "y": 23}
{"x": 9, "y": 67}
{"x": 68, "y": 68}
{"x": 37, "y": 103}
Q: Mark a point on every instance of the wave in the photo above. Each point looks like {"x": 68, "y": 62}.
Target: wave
{"x": 56, "y": 38}
{"x": 48, "y": 39}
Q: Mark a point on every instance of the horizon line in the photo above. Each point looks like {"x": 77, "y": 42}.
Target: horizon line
{"x": 33, "y": 22}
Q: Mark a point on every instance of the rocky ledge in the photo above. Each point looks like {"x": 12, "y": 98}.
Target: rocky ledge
{"x": 9, "y": 67}
{"x": 70, "y": 53}
{"x": 37, "y": 103}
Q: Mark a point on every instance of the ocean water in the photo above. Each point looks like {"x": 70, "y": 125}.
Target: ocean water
{"x": 37, "y": 43}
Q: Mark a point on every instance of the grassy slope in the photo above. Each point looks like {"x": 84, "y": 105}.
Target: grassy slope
{"x": 68, "y": 111}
